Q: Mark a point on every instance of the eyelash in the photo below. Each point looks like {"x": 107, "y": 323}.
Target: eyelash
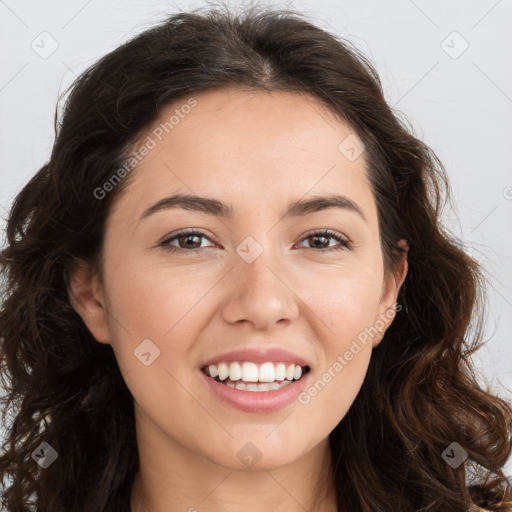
{"x": 345, "y": 244}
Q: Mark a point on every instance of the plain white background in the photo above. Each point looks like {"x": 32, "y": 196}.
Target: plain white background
{"x": 444, "y": 65}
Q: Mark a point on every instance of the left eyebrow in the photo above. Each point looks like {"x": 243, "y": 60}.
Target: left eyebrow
{"x": 317, "y": 203}
{"x": 215, "y": 207}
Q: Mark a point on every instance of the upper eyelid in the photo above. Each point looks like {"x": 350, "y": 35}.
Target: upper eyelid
{"x": 190, "y": 231}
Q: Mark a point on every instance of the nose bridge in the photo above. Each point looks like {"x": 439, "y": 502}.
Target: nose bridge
{"x": 260, "y": 293}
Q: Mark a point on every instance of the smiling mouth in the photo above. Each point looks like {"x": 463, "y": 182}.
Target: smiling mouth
{"x": 247, "y": 376}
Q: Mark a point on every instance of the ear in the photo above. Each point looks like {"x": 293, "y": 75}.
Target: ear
{"x": 87, "y": 298}
{"x": 390, "y": 288}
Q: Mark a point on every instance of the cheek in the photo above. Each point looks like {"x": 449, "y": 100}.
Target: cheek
{"x": 330, "y": 395}
{"x": 345, "y": 298}
{"x": 346, "y": 302}
{"x": 167, "y": 306}
{"x": 346, "y": 351}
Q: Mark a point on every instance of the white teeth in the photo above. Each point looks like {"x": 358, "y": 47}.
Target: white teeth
{"x": 260, "y": 386}
{"x": 281, "y": 371}
{"x": 249, "y": 372}
{"x": 235, "y": 371}
{"x": 223, "y": 371}
{"x": 267, "y": 373}
{"x": 214, "y": 371}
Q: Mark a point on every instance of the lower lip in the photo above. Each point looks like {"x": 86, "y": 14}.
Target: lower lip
{"x": 256, "y": 401}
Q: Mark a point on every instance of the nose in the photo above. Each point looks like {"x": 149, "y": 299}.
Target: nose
{"x": 262, "y": 296}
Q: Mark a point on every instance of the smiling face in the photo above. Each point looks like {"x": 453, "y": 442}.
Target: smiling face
{"x": 259, "y": 279}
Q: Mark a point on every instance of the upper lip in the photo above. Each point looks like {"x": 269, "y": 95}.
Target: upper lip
{"x": 260, "y": 355}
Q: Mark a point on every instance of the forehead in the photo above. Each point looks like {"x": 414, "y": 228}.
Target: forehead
{"x": 247, "y": 147}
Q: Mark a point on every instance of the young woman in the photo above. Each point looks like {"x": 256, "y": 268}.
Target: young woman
{"x": 228, "y": 288}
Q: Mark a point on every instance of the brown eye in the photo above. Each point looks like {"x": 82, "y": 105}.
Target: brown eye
{"x": 322, "y": 240}
{"x": 188, "y": 241}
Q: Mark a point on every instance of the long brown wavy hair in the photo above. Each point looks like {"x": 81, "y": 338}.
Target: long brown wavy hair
{"x": 64, "y": 388}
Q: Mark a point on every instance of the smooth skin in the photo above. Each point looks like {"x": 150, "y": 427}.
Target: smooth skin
{"x": 256, "y": 151}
